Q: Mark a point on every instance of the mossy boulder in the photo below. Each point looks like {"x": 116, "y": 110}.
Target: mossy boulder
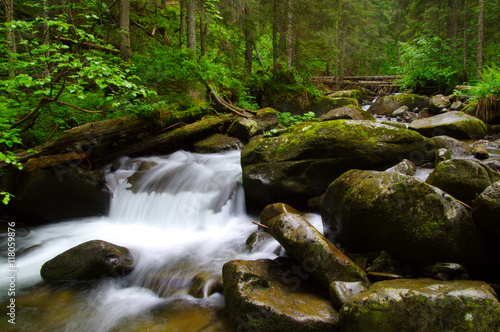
{"x": 325, "y": 262}
{"x": 59, "y": 192}
{"x": 355, "y": 94}
{"x": 304, "y": 159}
{"x": 457, "y": 148}
{"x": 455, "y": 124}
{"x": 404, "y": 167}
{"x": 388, "y": 104}
{"x": 90, "y": 260}
{"x": 217, "y": 143}
{"x": 318, "y": 106}
{"x": 464, "y": 179}
{"x": 417, "y": 223}
{"x": 438, "y": 103}
{"x": 486, "y": 210}
{"x": 266, "y": 119}
{"x": 243, "y": 129}
{"x": 266, "y": 295}
{"x": 422, "y": 305}
{"x": 349, "y": 112}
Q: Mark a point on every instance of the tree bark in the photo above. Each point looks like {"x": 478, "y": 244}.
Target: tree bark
{"x": 125, "y": 51}
{"x": 182, "y": 29}
{"x": 290, "y": 40}
{"x": 9, "y": 35}
{"x": 191, "y": 24}
{"x": 203, "y": 28}
{"x": 275, "y": 38}
{"x": 249, "y": 37}
{"x": 343, "y": 45}
{"x": 480, "y": 39}
{"x": 465, "y": 77}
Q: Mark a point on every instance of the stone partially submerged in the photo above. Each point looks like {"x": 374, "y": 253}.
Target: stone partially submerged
{"x": 87, "y": 261}
{"x": 266, "y": 295}
{"x": 422, "y": 305}
{"x": 303, "y": 160}
{"x": 309, "y": 247}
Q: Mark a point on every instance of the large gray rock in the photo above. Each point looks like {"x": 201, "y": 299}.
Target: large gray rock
{"x": 349, "y": 112}
{"x": 439, "y": 102}
{"x": 90, "y": 260}
{"x": 457, "y": 148}
{"x": 422, "y": 305}
{"x": 60, "y": 192}
{"x": 267, "y": 295}
{"x": 486, "y": 210}
{"x": 464, "y": 179}
{"x": 309, "y": 247}
{"x": 355, "y": 94}
{"x": 303, "y": 160}
{"x": 417, "y": 223}
{"x": 455, "y": 124}
{"x": 388, "y": 104}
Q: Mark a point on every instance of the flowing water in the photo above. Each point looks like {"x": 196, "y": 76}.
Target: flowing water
{"x": 182, "y": 217}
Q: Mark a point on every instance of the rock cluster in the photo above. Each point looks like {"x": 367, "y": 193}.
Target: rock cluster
{"x": 397, "y": 251}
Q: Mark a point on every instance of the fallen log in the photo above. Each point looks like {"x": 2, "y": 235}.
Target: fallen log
{"x": 180, "y": 138}
{"x": 95, "y": 140}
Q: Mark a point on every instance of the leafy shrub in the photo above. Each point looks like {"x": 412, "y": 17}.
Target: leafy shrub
{"x": 427, "y": 62}
{"x": 485, "y": 100}
{"x": 287, "y": 120}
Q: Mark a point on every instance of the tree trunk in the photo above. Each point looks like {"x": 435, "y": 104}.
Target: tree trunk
{"x": 191, "y": 24}
{"x": 480, "y": 39}
{"x": 249, "y": 38}
{"x": 203, "y": 33}
{"x": 125, "y": 52}
{"x": 182, "y": 29}
{"x": 452, "y": 24}
{"x": 9, "y": 36}
{"x": 289, "y": 45}
{"x": 343, "y": 45}
{"x": 275, "y": 38}
{"x": 465, "y": 77}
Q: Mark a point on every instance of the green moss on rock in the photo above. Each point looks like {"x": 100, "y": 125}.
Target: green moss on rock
{"x": 417, "y": 223}
{"x": 304, "y": 159}
{"x": 422, "y": 305}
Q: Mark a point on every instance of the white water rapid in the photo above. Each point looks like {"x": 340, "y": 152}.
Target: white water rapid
{"x": 182, "y": 216}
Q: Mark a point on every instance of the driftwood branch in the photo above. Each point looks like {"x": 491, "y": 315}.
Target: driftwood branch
{"x": 256, "y": 223}
{"x": 221, "y": 101}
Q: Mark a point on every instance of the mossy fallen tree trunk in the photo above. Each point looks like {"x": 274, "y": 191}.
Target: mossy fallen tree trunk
{"x": 94, "y": 144}
{"x": 179, "y": 138}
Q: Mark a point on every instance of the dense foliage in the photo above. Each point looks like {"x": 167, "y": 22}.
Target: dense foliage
{"x": 66, "y": 63}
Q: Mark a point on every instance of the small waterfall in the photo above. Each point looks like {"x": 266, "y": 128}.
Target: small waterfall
{"x": 182, "y": 216}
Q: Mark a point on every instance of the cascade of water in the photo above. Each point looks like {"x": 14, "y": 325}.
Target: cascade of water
{"x": 181, "y": 216}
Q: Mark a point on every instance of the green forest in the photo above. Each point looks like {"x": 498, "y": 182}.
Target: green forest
{"x": 65, "y": 63}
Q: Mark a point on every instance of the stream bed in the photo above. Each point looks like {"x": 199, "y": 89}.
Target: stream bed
{"x": 182, "y": 218}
